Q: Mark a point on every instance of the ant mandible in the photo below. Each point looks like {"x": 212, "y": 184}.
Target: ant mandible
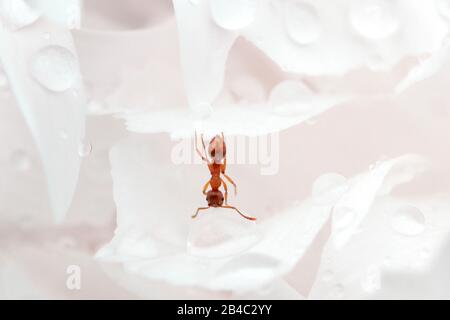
{"x": 217, "y": 164}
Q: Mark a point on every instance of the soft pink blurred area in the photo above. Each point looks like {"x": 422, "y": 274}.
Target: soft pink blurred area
{"x": 359, "y": 107}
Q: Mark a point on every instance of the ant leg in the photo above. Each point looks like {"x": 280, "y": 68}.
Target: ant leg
{"x": 204, "y": 157}
{"x": 232, "y": 182}
{"x": 206, "y": 187}
{"x": 198, "y": 209}
{"x": 226, "y": 190}
{"x": 243, "y": 215}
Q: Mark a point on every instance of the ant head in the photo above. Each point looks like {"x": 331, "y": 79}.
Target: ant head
{"x": 217, "y": 149}
{"x": 214, "y": 198}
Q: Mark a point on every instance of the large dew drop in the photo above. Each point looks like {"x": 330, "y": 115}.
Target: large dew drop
{"x": 328, "y": 188}
{"x": 233, "y": 14}
{"x": 218, "y": 233}
{"x": 291, "y": 97}
{"x": 54, "y": 67}
{"x": 301, "y": 22}
{"x": 374, "y": 19}
{"x": 16, "y": 14}
{"x": 408, "y": 220}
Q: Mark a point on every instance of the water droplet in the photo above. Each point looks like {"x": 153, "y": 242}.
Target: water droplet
{"x": 21, "y": 160}
{"x": 343, "y": 217}
{"x": 374, "y": 19}
{"x": 328, "y": 188}
{"x": 443, "y": 7}
{"x": 301, "y": 22}
{"x": 233, "y": 14}
{"x": 291, "y": 97}
{"x": 408, "y": 220}
{"x": 220, "y": 234}
{"x": 16, "y": 14}
{"x": 54, "y": 67}
{"x": 337, "y": 291}
{"x": 84, "y": 148}
{"x": 327, "y": 275}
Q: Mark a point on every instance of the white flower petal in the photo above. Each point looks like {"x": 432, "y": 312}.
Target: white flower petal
{"x": 204, "y": 50}
{"x": 49, "y": 113}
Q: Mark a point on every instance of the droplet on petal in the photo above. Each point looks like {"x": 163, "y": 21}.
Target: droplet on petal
{"x": 301, "y": 22}
{"x": 328, "y": 188}
{"x": 408, "y": 220}
{"x": 374, "y": 19}
{"x": 291, "y": 97}
{"x": 16, "y": 14}
{"x": 233, "y": 14}
{"x": 55, "y": 68}
{"x": 219, "y": 233}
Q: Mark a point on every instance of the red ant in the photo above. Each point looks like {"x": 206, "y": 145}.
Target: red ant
{"x": 217, "y": 151}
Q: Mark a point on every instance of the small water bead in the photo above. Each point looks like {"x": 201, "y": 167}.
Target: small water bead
{"x": 408, "y": 220}
{"x": 443, "y": 7}
{"x": 84, "y": 148}
{"x": 16, "y": 14}
{"x": 374, "y": 19}
{"x": 291, "y": 97}
{"x": 301, "y": 22}
{"x": 233, "y": 14}
{"x": 55, "y": 68}
{"x": 328, "y": 188}
{"x": 20, "y": 160}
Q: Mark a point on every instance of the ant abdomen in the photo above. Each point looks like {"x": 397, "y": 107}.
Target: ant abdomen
{"x": 214, "y": 198}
